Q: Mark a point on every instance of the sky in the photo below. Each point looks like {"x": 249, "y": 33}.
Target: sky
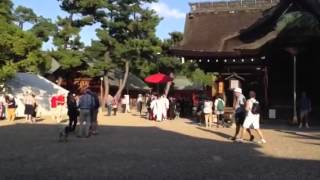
{"x": 172, "y": 11}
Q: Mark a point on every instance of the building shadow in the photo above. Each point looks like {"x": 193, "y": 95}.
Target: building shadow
{"x": 223, "y": 135}
{"x": 32, "y": 151}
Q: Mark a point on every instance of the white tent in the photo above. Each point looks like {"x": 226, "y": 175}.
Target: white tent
{"x": 40, "y": 86}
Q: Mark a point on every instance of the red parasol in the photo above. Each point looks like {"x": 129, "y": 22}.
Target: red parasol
{"x": 158, "y": 78}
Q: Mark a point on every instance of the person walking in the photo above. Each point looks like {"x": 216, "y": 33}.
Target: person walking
{"x": 127, "y": 102}
{"x": 73, "y": 111}
{"x": 157, "y": 108}
{"x": 35, "y": 108}
{"x": 172, "y": 108}
{"x": 164, "y": 107}
{"x": 123, "y": 104}
{"x": 219, "y": 105}
{"x": 305, "y": 109}
{"x": 109, "y": 101}
{"x": 149, "y": 114}
{"x": 11, "y": 108}
{"x": 2, "y": 107}
{"x": 115, "y": 104}
{"x": 94, "y": 112}
{"x": 139, "y": 103}
{"x": 29, "y": 103}
{"x": 240, "y": 112}
{"x": 252, "y": 119}
{"x": 207, "y": 110}
{"x": 86, "y": 103}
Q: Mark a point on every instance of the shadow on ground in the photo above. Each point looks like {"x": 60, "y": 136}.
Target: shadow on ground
{"x": 31, "y": 151}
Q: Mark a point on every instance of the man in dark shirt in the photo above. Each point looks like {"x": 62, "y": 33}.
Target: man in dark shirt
{"x": 86, "y": 105}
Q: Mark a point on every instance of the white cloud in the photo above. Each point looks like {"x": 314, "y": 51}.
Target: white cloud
{"x": 163, "y": 10}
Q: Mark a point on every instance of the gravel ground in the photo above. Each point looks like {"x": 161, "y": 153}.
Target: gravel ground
{"x": 130, "y": 147}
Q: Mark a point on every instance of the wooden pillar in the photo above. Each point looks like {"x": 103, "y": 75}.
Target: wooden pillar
{"x": 293, "y": 52}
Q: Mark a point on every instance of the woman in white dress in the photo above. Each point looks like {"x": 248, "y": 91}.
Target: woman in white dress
{"x": 156, "y": 108}
{"x": 252, "y": 119}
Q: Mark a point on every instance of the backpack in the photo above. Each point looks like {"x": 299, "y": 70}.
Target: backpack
{"x": 220, "y": 105}
{"x": 255, "y": 108}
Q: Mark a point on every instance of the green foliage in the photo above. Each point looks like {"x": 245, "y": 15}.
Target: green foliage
{"x": 7, "y": 71}
{"x": 298, "y": 24}
{"x": 20, "y": 51}
{"x": 44, "y": 28}
{"x": 15, "y": 43}
{"x": 67, "y": 38}
{"x": 5, "y": 11}
{"x": 37, "y": 62}
{"x": 68, "y": 59}
{"x": 24, "y": 14}
{"x": 205, "y": 79}
{"x": 127, "y": 33}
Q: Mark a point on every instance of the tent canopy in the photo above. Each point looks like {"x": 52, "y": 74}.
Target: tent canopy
{"x": 41, "y": 87}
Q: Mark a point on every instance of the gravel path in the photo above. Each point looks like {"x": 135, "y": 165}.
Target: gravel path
{"x": 130, "y": 147}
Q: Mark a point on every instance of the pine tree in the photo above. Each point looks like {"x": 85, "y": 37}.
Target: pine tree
{"x": 20, "y": 50}
{"x": 126, "y": 37}
{"x": 44, "y": 29}
{"x": 23, "y": 14}
{"x": 131, "y": 28}
{"x": 6, "y": 11}
{"x": 69, "y": 48}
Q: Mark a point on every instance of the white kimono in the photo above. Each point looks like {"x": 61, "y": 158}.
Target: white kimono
{"x": 165, "y": 102}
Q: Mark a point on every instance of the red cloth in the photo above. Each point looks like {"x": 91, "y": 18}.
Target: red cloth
{"x": 54, "y": 101}
{"x": 60, "y": 100}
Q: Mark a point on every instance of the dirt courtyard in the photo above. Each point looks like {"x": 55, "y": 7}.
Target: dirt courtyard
{"x": 131, "y": 147}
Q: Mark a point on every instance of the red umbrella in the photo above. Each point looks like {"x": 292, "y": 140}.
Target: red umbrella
{"x": 158, "y": 78}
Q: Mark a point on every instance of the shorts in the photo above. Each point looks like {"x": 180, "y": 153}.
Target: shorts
{"x": 252, "y": 121}
{"x": 239, "y": 118}
{"x": 29, "y": 109}
{"x": 303, "y": 114}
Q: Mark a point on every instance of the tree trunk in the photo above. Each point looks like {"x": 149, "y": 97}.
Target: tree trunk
{"x": 168, "y": 86}
{"x": 106, "y": 89}
{"x": 106, "y": 85}
{"x": 21, "y": 25}
{"x": 106, "y": 78}
{"x": 124, "y": 82}
{"x": 66, "y": 40}
{"x": 166, "y": 91}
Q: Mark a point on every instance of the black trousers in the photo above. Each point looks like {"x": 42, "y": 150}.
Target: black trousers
{"x": 73, "y": 119}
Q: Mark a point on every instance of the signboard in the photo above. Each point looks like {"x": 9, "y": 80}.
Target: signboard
{"x": 272, "y": 114}
{"x": 234, "y": 83}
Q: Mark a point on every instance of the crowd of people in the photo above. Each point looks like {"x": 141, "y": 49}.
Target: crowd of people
{"x": 84, "y": 107}
{"x": 83, "y": 110}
